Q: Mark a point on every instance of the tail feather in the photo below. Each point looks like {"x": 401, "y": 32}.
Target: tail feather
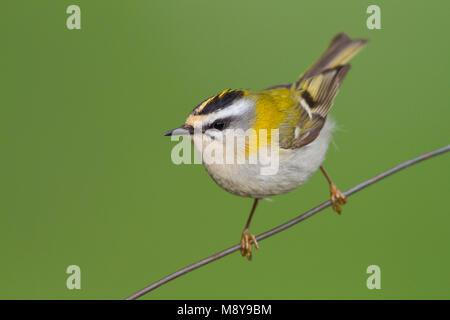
{"x": 317, "y": 87}
{"x": 340, "y": 50}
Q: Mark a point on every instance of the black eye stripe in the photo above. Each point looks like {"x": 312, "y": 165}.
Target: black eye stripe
{"x": 219, "y": 124}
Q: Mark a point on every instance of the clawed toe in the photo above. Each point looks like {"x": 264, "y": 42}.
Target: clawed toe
{"x": 246, "y": 244}
{"x": 337, "y": 198}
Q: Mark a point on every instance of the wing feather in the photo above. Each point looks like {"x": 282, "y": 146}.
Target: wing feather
{"x": 315, "y": 90}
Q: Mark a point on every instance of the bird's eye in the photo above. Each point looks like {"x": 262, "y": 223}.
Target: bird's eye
{"x": 218, "y": 125}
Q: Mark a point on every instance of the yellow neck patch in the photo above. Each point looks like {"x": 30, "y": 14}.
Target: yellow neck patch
{"x": 271, "y": 109}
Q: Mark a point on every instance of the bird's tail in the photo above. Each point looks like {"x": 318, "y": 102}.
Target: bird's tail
{"x": 318, "y": 86}
{"x": 340, "y": 50}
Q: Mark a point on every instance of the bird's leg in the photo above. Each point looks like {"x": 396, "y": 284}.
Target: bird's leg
{"x": 337, "y": 197}
{"x": 246, "y": 246}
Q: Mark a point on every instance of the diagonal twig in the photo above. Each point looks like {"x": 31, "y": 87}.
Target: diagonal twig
{"x": 288, "y": 224}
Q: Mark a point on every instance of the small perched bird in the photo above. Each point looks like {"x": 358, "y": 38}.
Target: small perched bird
{"x": 298, "y": 111}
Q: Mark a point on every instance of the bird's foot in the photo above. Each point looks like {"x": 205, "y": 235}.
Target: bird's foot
{"x": 246, "y": 246}
{"x": 337, "y": 198}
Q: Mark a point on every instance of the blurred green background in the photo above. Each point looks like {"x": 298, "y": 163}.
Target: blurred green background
{"x": 86, "y": 175}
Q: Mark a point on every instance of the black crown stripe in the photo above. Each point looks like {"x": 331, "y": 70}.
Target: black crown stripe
{"x": 221, "y": 101}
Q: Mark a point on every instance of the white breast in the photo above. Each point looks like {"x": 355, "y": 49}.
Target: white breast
{"x": 295, "y": 167}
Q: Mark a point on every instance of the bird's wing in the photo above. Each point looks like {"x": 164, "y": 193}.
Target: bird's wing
{"x": 315, "y": 91}
{"x": 314, "y": 97}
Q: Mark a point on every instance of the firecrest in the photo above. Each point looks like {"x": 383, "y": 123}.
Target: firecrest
{"x": 297, "y": 111}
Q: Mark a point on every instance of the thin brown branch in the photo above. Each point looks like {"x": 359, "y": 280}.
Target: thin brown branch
{"x": 288, "y": 224}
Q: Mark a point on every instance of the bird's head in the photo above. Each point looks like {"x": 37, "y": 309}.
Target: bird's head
{"x": 229, "y": 110}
